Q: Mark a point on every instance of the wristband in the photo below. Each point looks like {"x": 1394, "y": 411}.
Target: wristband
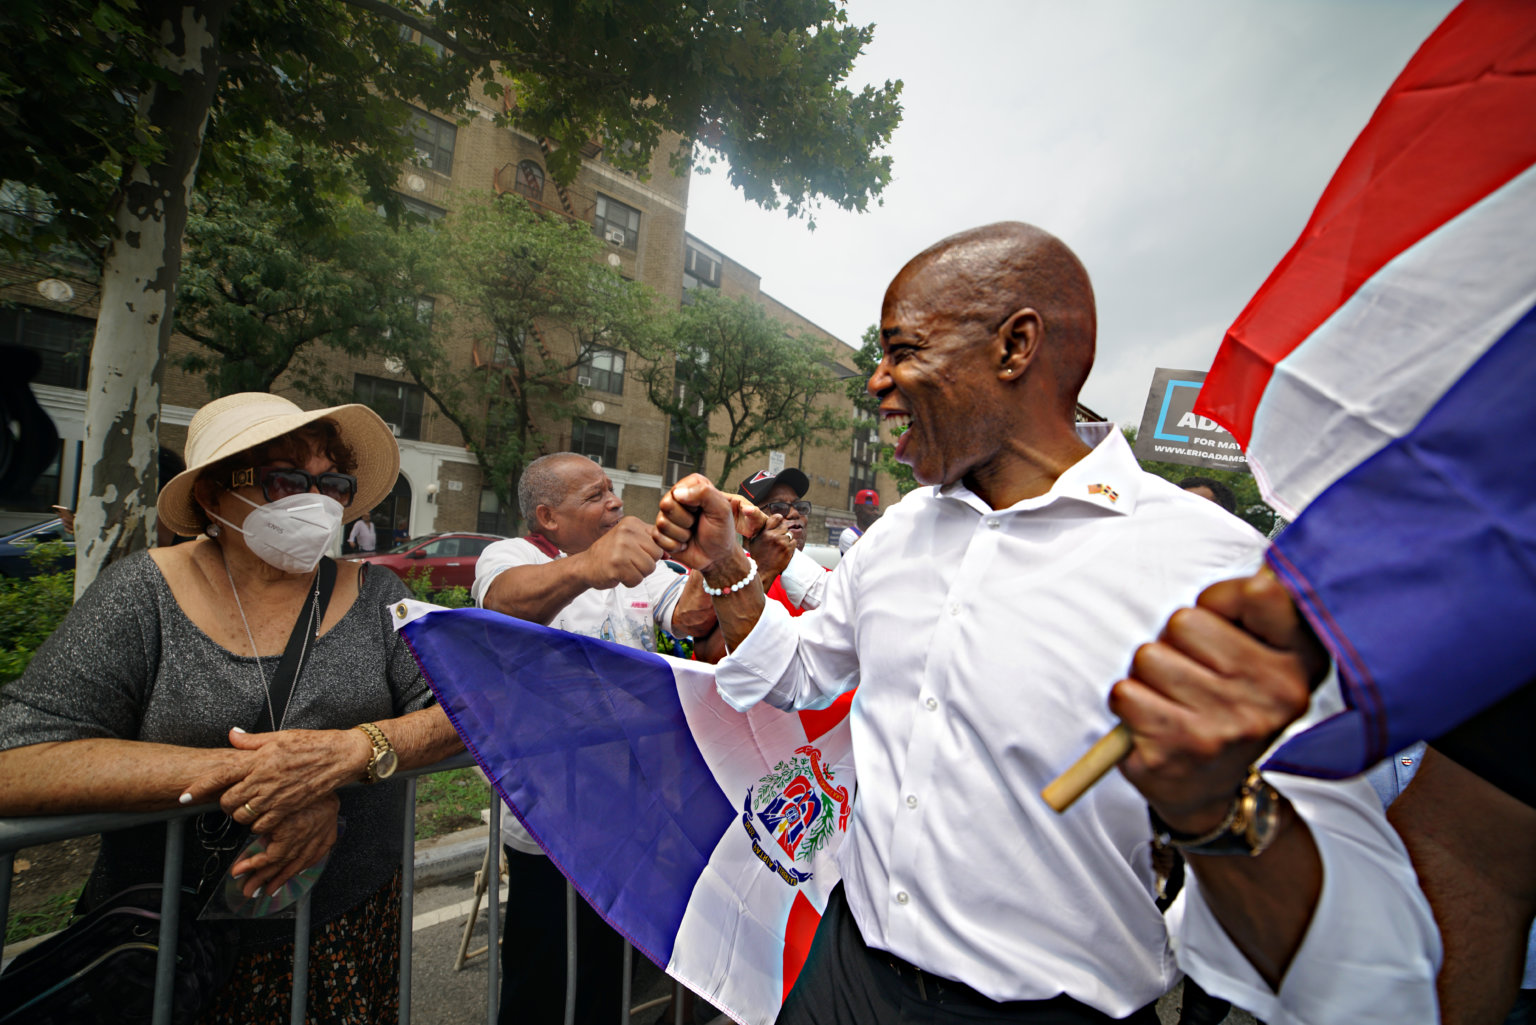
{"x": 715, "y": 592}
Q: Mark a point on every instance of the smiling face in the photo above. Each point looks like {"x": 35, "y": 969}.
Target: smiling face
{"x": 588, "y": 510}
{"x": 937, "y": 378}
{"x": 792, "y": 518}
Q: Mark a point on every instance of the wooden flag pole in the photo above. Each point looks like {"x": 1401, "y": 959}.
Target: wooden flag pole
{"x": 1062, "y": 791}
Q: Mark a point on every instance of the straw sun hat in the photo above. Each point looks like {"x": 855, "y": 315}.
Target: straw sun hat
{"x": 230, "y": 425}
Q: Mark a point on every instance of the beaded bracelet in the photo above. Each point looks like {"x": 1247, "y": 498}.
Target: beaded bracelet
{"x": 716, "y": 592}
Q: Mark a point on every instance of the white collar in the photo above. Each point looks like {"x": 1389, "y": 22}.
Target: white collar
{"x": 1107, "y": 477}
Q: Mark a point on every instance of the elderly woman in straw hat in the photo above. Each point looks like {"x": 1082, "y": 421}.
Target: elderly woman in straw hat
{"x": 153, "y": 689}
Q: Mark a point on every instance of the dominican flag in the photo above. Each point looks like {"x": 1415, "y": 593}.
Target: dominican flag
{"x": 1383, "y": 384}
{"x": 703, "y": 834}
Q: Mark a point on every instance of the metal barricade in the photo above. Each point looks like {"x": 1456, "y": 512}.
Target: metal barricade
{"x": 19, "y": 833}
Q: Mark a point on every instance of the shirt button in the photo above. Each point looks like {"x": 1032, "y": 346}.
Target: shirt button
{"x": 932, "y": 703}
{"x": 901, "y": 897}
{"x": 911, "y": 800}
{"x": 954, "y": 608}
{"x": 993, "y": 524}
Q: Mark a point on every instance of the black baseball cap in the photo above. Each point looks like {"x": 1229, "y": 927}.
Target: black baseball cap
{"x": 757, "y": 486}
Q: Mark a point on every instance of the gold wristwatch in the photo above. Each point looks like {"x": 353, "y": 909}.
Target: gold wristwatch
{"x": 1251, "y": 824}
{"x": 383, "y": 762}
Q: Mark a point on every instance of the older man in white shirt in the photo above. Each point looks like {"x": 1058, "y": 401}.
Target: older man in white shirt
{"x": 984, "y": 624}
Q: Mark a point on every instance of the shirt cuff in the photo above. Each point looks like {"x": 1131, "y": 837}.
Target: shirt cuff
{"x": 748, "y": 674}
{"x": 1371, "y": 951}
{"x": 800, "y": 578}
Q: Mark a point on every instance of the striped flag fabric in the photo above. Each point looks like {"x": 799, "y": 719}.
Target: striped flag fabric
{"x": 1381, "y": 382}
{"x": 704, "y": 835}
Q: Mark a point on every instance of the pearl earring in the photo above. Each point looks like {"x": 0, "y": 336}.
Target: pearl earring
{"x": 213, "y": 530}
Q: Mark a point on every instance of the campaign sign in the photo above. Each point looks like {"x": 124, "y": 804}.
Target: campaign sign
{"x": 1172, "y": 433}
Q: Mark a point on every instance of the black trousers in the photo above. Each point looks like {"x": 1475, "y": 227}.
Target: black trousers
{"x": 847, "y": 982}
{"x": 533, "y": 951}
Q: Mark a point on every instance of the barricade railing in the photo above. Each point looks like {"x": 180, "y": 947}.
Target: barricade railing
{"x": 31, "y": 831}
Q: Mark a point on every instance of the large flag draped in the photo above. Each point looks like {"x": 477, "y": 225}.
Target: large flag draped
{"x": 1381, "y": 383}
{"x": 703, "y": 834}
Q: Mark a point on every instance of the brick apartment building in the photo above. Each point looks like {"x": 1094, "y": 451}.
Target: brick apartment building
{"x": 440, "y": 485}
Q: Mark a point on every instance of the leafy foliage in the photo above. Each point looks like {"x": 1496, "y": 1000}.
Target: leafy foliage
{"x": 31, "y": 607}
{"x": 537, "y": 301}
{"x": 727, "y": 358}
{"x": 116, "y": 107}
{"x": 419, "y": 580}
{"x": 271, "y": 271}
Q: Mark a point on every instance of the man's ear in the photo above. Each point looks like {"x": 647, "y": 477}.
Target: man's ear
{"x": 544, "y": 519}
{"x": 1018, "y": 342}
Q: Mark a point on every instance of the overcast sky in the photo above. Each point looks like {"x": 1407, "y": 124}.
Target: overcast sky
{"x": 1177, "y": 146}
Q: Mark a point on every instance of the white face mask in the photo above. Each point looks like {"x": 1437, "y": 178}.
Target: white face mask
{"x": 291, "y": 533}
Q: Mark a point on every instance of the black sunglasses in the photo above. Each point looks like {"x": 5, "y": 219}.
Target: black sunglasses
{"x": 783, "y": 508}
{"x": 282, "y": 481}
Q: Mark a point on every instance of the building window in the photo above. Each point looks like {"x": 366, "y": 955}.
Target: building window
{"x": 434, "y": 139}
{"x": 508, "y": 345}
{"x": 596, "y": 440}
{"x": 494, "y": 517}
{"x": 530, "y": 181}
{"x": 397, "y": 402}
{"x": 681, "y": 458}
{"x": 435, "y": 45}
{"x": 61, "y": 339}
{"x": 861, "y": 463}
{"x": 617, "y": 223}
{"x": 416, "y": 208}
{"x": 602, "y": 370}
{"x": 701, "y": 269}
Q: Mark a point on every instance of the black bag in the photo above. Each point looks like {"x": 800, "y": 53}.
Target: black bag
{"x": 101, "y": 970}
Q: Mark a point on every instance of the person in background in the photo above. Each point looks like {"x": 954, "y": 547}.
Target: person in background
{"x": 801, "y": 581}
{"x": 1211, "y": 491}
{"x": 362, "y": 537}
{"x": 143, "y": 698}
{"x": 586, "y": 568}
{"x": 866, "y": 510}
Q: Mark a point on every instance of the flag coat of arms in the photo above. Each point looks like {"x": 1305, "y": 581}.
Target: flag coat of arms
{"x": 1381, "y": 381}
{"x": 704, "y": 835}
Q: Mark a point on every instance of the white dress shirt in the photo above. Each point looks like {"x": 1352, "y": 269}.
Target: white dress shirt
{"x": 624, "y": 615}
{"x": 986, "y": 642}
{"x": 804, "y": 581}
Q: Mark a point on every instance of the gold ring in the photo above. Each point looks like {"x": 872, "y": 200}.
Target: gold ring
{"x": 247, "y": 807}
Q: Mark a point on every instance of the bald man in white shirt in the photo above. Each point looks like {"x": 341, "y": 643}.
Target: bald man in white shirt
{"x": 984, "y": 625}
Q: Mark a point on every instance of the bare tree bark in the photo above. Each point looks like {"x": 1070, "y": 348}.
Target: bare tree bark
{"x": 115, "y": 507}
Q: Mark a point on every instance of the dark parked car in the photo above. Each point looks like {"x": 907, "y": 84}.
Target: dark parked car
{"x": 450, "y": 557}
{"x": 15, "y": 546}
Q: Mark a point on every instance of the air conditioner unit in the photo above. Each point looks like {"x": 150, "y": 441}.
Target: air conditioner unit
{"x": 614, "y": 235}
{"x": 585, "y": 382}
{"x": 393, "y": 428}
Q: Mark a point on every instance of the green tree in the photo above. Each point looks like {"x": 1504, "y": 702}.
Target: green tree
{"x": 1250, "y": 504}
{"x": 866, "y": 358}
{"x": 106, "y": 105}
{"x": 537, "y": 301}
{"x": 276, "y": 278}
{"x": 727, "y": 358}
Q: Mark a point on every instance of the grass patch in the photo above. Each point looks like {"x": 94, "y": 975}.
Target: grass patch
{"x": 51, "y": 917}
{"x": 449, "y": 801}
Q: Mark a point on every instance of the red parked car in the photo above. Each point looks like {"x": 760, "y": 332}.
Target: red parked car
{"x": 450, "y": 557}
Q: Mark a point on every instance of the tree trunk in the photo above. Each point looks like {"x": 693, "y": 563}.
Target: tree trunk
{"x": 115, "y": 507}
